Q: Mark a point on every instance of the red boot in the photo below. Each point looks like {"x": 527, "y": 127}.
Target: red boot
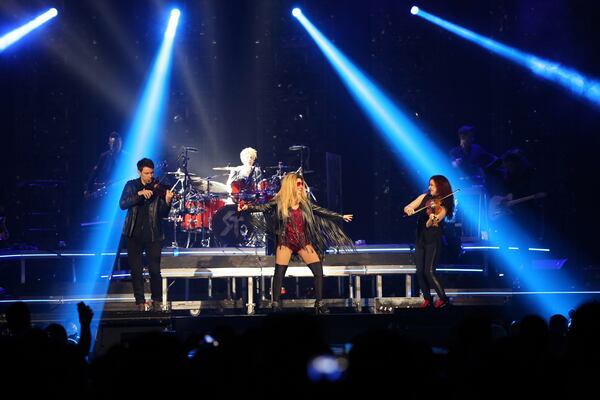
{"x": 425, "y": 304}
{"x": 439, "y": 303}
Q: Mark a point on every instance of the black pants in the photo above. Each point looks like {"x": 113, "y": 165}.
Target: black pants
{"x": 135, "y": 247}
{"x": 427, "y": 254}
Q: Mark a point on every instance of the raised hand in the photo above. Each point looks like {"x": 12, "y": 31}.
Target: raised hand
{"x": 85, "y": 313}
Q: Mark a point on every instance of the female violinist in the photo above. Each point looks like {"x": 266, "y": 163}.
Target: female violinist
{"x": 437, "y": 204}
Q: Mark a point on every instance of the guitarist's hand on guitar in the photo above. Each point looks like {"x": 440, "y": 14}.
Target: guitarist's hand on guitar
{"x": 500, "y": 206}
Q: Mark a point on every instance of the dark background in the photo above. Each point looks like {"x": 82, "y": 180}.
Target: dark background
{"x": 245, "y": 73}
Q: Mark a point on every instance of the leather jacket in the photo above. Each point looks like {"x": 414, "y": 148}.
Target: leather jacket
{"x": 322, "y": 226}
{"x": 131, "y": 201}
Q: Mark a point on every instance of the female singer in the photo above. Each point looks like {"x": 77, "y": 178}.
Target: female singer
{"x": 429, "y": 236}
{"x": 303, "y": 228}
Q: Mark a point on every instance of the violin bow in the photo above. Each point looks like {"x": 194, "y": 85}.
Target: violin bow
{"x": 445, "y": 197}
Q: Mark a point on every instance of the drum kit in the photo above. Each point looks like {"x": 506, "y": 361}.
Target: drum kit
{"x": 206, "y": 210}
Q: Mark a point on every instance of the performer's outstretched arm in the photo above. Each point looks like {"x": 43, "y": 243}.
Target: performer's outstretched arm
{"x": 325, "y": 213}
{"x": 258, "y": 207}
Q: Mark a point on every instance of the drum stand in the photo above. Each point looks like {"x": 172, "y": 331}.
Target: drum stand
{"x": 205, "y": 241}
{"x": 183, "y": 178}
{"x": 177, "y": 215}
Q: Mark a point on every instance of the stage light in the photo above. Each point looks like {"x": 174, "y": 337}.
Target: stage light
{"x": 13, "y": 36}
{"x": 173, "y": 22}
{"x": 414, "y": 10}
{"x": 296, "y": 12}
{"x": 140, "y": 141}
{"x": 421, "y": 156}
{"x": 568, "y": 78}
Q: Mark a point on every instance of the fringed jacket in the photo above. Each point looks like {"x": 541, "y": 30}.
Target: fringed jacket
{"x": 321, "y": 226}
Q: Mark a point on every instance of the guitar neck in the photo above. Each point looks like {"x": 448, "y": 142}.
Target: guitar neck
{"x": 523, "y": 199}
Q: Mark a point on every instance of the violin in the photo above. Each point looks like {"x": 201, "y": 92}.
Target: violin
{"x": 158, "y": 188}
{"x": 434, "y": 204}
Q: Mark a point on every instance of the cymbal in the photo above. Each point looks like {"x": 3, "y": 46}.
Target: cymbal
{"x": 281, "y": 166}
{"x": 223, "y": 168}
{"x": 215, "y": 187}
{"x": 180, "y": 173}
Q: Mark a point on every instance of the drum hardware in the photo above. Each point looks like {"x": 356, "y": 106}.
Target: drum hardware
{"x": 201, "y": 210}
{"x": 227, "y": 168}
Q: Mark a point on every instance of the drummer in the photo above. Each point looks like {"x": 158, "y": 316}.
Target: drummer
{"x": 249, "y": 171}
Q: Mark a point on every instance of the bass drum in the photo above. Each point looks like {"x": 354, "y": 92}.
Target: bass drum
{"x": 233, "y": 229}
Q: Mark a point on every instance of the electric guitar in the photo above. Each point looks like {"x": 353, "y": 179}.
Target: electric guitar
{"x": 499, "y": 206}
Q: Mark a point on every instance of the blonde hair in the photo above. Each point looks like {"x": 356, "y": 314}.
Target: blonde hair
{"x": 288, "y": 196}
{"x": 248, "y": 152}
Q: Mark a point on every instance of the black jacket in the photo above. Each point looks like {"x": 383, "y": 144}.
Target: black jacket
{"x": 131, "y": 201}
{"x": 322, "y": 226}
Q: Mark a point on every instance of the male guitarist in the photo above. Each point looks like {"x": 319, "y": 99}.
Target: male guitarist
{"x": 513, "y": 195}
{"x": 101, "y": 174}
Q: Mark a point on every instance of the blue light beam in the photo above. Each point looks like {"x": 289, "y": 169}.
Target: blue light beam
{"x": 140, "y": 141}
{"x": 568, "y": 78}
{"x": 402, "y": 134}
{"x": 14, "y": 35}
{"x": 419, "y": 153}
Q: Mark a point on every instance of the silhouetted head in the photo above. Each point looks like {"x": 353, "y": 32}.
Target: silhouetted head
{"x": 18, "y": 318}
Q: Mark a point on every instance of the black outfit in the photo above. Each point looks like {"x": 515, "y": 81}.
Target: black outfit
{"x": 474, "y": 162}
{"x": 320, "y": 229}
{"x": 143, "y": 231}
{"x": 102, "y": 172}
{"x": 427, "y": 253}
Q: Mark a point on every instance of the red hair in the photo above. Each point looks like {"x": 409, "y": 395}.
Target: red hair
{"x": 443, "y": 187}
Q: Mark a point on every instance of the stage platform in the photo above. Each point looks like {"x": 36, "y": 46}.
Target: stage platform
{"x": 375, "y": 278}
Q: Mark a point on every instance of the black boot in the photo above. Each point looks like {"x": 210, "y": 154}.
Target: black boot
{"x": 321, "y": 308}
{"x": 275, "y": 306}
{"x": 276, "y": 286}
{"x": 317, "y": 270}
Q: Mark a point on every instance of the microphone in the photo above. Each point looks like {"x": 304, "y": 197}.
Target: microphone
{"x": 192, "y": 149}
{"x": 297, "y": 147}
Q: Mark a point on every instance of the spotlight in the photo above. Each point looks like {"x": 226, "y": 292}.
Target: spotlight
{"x": 141, "y": 140}
{"x": 569, "y": 78}
{"x": 296, "y": 12}
{"x": 414, "y": 10}
{"x": 14, "y": 35}
{"x": 173, "y": 21}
